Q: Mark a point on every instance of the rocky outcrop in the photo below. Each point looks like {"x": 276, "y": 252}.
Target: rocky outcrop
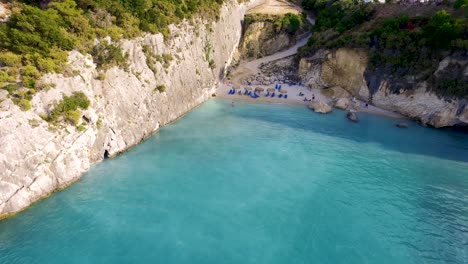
{"x": 320, "y": 107}
{"x": 352, "y": 116}
{"x": 37, "y": 158}
{"x": 347, "y": 68}
{"x": 4, "y": 12}
{"x": 342, "y": 68}
{"x": 342, "y": 103}
{"x": 262, "y": 37}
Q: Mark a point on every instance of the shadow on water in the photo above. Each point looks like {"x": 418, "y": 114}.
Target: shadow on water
{"x": 444, "y": 144}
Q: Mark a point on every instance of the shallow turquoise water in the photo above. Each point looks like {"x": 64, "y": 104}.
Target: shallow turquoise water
{"x": 260, "y": 184}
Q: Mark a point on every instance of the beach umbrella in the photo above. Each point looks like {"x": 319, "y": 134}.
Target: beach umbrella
{"x": 271, "y": 89}
{"x": 259, "y": 89}
{"x": 248, "y": 88}
{"x": 283, "y": 91}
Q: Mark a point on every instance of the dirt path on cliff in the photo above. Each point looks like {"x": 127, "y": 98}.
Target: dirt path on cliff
{"x": 247, "y": 68}
{"x": 275, "y": 7}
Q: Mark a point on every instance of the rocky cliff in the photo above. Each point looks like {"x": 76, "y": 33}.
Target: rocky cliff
{"x": 265, "y": 34}
{"x": 37, "y": 158}
{"x": 411, "y": 96}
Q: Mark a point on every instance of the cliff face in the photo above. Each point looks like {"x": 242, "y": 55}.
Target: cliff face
{"x": 348, "y": 69}
{"x": 37, "y": 158}
{"x": 264, "y": 36}
{"x": 260, "y": 40}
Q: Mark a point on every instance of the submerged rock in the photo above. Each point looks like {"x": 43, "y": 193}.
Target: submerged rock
{"x": 402, "y": 125}
{"x": 320, "y": 107}
{"x": 352, "y": 116}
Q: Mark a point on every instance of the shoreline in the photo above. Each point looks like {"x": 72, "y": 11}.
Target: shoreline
{"x": 295, "y": 99}
{"x": 10, "y": 215}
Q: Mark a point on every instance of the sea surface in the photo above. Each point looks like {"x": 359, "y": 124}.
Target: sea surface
{"x": 259, "y": 183}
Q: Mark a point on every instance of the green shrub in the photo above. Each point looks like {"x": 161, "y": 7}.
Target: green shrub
{"x": 10, "y": 59}
{"x": 460, "y": 3}
{"x": 101, "y": 76}
{"x": 24, "y": 104}
{"x": 81, "y": 128}
{"x": 99, "y": 123}
{"x": 107, "y": 55}
{"x": 11, "y": 88}
{"x": 160, "y": 88}
{"x": 73, "y": 117}
{"x": 212, "y": 64}
{"x": 291, "y": 23}
{"x": 68, "y": 108}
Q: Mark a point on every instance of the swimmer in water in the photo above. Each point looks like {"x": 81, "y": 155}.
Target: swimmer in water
{"x": 232, "y": 104}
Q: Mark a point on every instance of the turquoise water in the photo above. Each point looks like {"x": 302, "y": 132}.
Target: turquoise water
{"x": 260, "y": 184}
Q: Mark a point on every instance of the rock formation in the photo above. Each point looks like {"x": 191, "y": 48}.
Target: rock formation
{"x": 320, "y": 107}
{"x": 263, "y": 36}
{"x": 342, "y": 103}
{"x": 347, "y": 68}
{"x": 37, "y": 158}
{"x": 352, "y": 116}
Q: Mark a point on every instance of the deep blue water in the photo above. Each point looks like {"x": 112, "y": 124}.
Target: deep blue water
{"x": 260, "y": 184}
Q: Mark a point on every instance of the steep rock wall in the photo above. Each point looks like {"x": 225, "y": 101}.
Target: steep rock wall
{"x": 347, "y": 68}
{"x": 262, "y": 38}
{"x": 37, "y": 158}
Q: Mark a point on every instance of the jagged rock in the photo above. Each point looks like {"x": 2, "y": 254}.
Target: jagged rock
{"x": 352, "y": 116}
{"x": 320, "y": 107}
{"x": 342, "y": 103}
{"x": 402, "y": 125}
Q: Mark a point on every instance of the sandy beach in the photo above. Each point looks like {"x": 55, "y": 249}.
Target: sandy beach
{"x": 294, "y": 98}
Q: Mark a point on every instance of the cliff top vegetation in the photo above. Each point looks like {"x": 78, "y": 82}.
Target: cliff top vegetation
{"x": 39, "y": 33}
{"x": 288, "y": 22}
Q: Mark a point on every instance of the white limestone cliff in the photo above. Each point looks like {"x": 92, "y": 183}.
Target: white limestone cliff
{"x": 37, "y": 158}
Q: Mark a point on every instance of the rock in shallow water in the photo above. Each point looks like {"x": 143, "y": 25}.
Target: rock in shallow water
{"x": 402, "y": 125}
{"x": 320, "y": 107}
{"x": 352, "y": 116}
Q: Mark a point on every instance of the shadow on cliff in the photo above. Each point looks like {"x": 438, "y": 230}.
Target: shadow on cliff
{"x": 444, "y": 144}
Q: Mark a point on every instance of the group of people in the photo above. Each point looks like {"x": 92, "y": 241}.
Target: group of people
{"x": 305, "y": 98}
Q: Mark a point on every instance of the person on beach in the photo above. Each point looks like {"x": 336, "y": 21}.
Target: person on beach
{"x": 313, "y": 96}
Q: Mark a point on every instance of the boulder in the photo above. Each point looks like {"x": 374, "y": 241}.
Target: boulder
{"x": 320, "y": 107}
{"x": 352, "y": 116}
{"x": 342, "y": 103}
{"x": 338, "y": 92}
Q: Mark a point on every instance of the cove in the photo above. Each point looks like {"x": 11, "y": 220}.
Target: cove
{"x": 259, "y": 183}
